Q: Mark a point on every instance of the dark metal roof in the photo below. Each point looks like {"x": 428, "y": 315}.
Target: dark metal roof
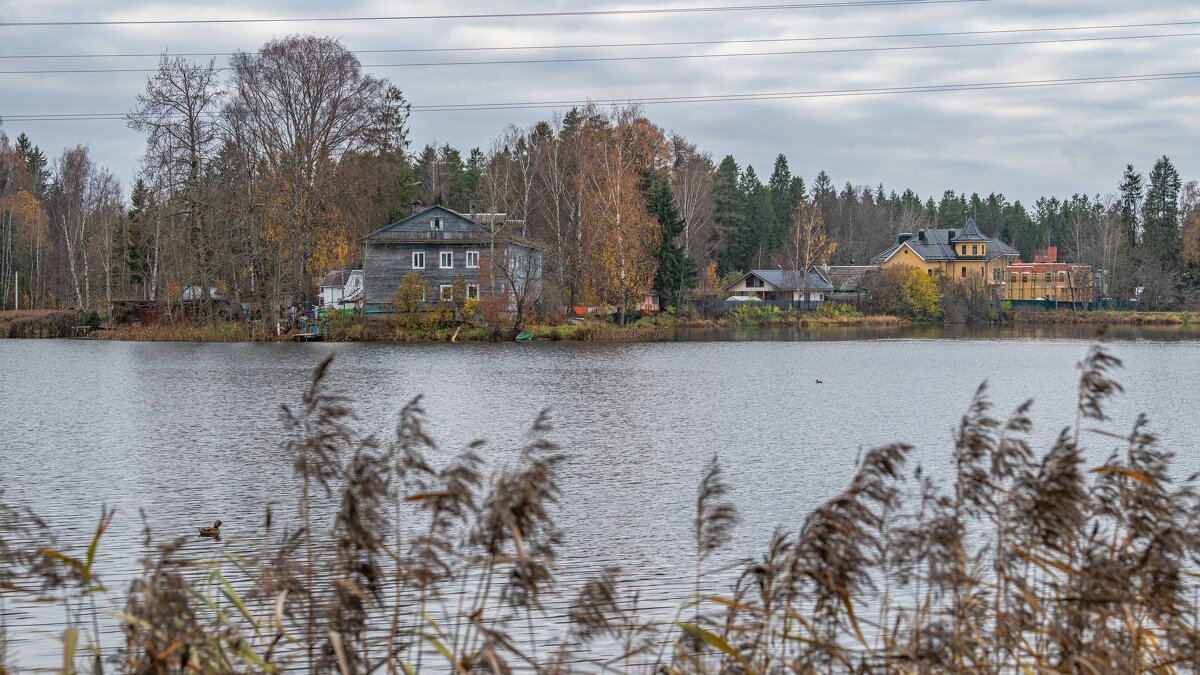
{"x": 970, "y": 233}
{"x": 935, "y": 245}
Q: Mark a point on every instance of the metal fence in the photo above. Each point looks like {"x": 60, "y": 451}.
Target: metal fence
{"x": 718, "y": 307}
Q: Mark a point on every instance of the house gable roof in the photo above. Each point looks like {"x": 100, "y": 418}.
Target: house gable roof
{"x": 787, "y": 280}
{"x": 847, "y": 278}
{"x": 453, "y": 221}
{"x": 334, "y": 279}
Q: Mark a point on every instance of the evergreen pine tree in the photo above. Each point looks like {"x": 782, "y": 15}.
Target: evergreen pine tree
{"x": 135, "y": 259}
{"x": 823, "y": 194}
{"x": 728, "y": 202}
{"x": 1160, "y": 213}
{"x": 951, "y": 211}
{"x": 35, "y": 162}
{"x": 755, "y": 240}
{"x": 676, "y": 271}
{"x": 472, "y": 177}
{"x": 1130, "y": 204}
{"x": 782, "y": 204}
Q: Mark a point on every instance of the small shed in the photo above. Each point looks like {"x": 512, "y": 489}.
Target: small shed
{"x": 341, "y": 288}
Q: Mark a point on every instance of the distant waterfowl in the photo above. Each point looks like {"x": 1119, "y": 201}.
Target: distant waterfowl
{"x": 214, "y": 531}
{"x": 820, "y": 382}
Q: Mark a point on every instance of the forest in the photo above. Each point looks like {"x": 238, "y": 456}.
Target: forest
{"x": 259, "y": 178}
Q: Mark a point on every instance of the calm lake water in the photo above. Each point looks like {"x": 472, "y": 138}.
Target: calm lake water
{"x": 190, "y": 432}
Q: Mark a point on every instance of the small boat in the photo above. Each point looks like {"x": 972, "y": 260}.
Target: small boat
{"x": 524, "y": 336}
{"x": 214, "y": 531}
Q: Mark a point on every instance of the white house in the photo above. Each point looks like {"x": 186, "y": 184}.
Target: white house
{"x": 781, "y": 286}
{"x": 341, "y": 288}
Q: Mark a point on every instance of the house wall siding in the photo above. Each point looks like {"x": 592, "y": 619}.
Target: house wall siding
{"x": 387, "y": 255}
{"x": 386, "y": 263}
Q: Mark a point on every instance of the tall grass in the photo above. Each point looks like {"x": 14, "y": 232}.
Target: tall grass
{"x": 223, "y": 331}
{"x": 1022, "y": 562}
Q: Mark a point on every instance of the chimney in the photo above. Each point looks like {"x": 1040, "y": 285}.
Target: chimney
{"x": 921, "y": 235}
{"x": 952, "y": 233}
{"x": 415, "y": 207}
{"x": 904, "y": 236}
{"x": 1052, "y": 253}
{"x": 471, "y": 209}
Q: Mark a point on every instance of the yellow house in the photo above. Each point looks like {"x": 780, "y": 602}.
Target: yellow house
{"x": 961, "y": 254}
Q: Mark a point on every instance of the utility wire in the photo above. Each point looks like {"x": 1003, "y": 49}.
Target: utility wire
{"x": 666, "y": 57}
{"x": 493, "y": 15}
{"x": 715, "y": 98}
{"x": 613, "y": 45}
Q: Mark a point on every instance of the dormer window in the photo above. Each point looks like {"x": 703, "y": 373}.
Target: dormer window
{"x": 437, "y": 224}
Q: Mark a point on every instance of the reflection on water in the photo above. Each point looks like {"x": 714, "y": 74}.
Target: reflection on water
{"x": 190, "y": 432}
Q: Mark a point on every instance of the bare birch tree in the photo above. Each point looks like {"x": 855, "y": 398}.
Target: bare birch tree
{"x": 178, "y": 112}
{"x": 807, "y": 244}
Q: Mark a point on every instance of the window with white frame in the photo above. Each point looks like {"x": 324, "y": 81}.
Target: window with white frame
{"x": 446, "y": 260}
{"x": 473, "y": 291}
{"x": 446, "y": 292}
{"x": 437, "y": 224}
{"x": 472, "y": 258}
{"x": 418, "y": 260}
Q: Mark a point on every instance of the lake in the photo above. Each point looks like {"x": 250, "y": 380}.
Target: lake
{"x": 190, "y": 432}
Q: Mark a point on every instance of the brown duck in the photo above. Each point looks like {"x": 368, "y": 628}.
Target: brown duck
{"x": 214, "y": 531}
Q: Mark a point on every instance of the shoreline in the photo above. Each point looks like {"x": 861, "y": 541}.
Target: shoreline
{"x": 659, "y": 328}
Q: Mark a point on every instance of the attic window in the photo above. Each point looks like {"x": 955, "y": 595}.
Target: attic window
{"x": 437, "y": 224}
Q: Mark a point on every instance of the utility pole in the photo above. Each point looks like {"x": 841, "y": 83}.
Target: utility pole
{"x": 16, "y": 290}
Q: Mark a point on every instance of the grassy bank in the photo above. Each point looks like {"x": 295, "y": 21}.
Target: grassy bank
{"x": 1116, "y": 318}
{"x": 659, "y": 328}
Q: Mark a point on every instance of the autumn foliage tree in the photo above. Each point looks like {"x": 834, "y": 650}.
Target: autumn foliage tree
{"x": 622, "y": 234}
{"x": 304, "y": 103}
{"x": 922, "y": 295}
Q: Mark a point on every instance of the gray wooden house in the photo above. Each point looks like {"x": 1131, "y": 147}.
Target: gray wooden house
{"x": 438, "y": 245}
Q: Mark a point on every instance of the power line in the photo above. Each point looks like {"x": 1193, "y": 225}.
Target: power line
{"x": 493, "y": 15}
{"x": 612, "y": 45}
{"x": 665, "y": 57}
{"x": 717, "y": 98}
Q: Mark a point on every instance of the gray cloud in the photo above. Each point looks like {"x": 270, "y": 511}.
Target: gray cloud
{"x": 1023, "y": 142}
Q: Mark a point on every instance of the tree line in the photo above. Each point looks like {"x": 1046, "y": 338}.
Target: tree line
{"x": 258, "y": 179}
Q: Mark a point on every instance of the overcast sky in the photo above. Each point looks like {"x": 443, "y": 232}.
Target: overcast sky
{"x": 1022, "y": 142}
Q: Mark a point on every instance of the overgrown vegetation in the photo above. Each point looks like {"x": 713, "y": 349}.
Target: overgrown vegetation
{"x": 1023, "y": 562}
{"x": 38, "y": 323}
{"x": 181, "y": 331}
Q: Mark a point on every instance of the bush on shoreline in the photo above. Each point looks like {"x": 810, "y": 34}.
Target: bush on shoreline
{"x": 39, "y": 323}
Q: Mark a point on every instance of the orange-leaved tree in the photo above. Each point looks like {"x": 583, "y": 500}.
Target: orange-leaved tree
{"x": 619, "y": 251}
